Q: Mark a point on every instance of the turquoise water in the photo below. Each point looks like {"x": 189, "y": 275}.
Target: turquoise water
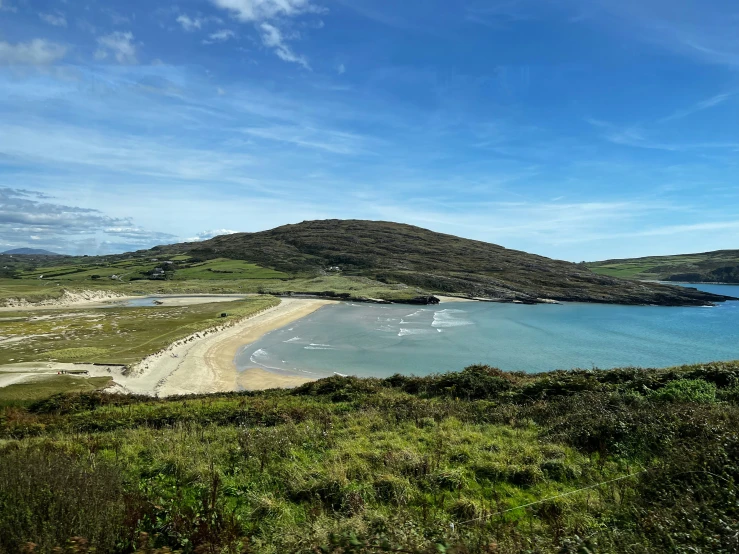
{"x": 378, "y": 340}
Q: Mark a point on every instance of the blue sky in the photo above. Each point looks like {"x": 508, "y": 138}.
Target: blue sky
{"x": 576, "y": 129}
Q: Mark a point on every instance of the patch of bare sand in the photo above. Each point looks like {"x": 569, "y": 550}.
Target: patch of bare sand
{"x": 446, "y": 299}
{"x": 85, "y": 299}
{"x": 24, "y": 372}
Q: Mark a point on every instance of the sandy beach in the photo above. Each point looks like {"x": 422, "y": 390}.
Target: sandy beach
{"x": 200, "y": 363}
{"x": 204, "y": 362}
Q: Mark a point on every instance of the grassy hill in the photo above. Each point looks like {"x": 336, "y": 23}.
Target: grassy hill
{"x": 357, "y": 259}
{"x": 394, "y": 253}
{"x": 721, "y": 266}
{"x": 482, "y": 461}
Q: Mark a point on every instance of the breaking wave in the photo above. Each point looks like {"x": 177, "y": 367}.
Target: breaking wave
{"x": 448, "y": 318}
{"x": 319, "y": 347}
{"x": 406, "y": 332}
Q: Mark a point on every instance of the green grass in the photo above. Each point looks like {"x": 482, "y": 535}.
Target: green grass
{"x": 23, "y": 394}
{"x": 221, "y": 268}
{"x": 112, "y": 335}
{"x": 477, "y": 461}
{"x": 134, "y": 269}
{"x": 720, "y": 266}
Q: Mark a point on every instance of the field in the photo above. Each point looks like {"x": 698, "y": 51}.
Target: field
{"x": 137, "y": 268}
{"x": 23, "y": 394}
{"x": 35, "y": 290}
{"x": 710, "y": 267}
{"x": 628, "y": 461}
{"x": 110, "y": 335}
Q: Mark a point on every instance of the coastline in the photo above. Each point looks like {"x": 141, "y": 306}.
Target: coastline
{"x": 204, "y": 362}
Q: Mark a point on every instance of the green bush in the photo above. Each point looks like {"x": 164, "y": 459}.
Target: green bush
{"x": 687, "y": 390}
{"x": 48, "y": 497}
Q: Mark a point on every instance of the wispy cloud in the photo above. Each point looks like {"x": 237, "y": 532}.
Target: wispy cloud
{"x": 699, "y": 106}
{"x": 262, "y": 10}
{"x": 266, "y": 14}
{"x": 189, "y": 23}
{"x": 498, "y": 13}
{"x": 637, "y": 137}
{"x": 272, "y": 38}
{"x": 57, "y": 19}
{"x": 119, "y": 45}
{"x": 220, "y": 36}
{"x": 694, "y": 28}
{"x": 35, "y": 52}
{"x": 320, "y": 139}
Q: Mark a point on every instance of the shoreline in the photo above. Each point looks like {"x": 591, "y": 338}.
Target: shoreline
{"x": 205, "y": 361}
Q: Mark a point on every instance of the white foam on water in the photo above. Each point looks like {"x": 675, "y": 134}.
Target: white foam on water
{"x": 406, "y": 332}
{"x": 416, "y": 313}
{"x": 258, "y": 355}
{"x": 294, "y": 339}
{"x": 448, "y": 318}
{"x": 319, "y": 347}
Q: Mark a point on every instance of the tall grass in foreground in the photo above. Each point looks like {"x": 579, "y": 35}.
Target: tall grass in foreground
{"x": 478, "y": 461}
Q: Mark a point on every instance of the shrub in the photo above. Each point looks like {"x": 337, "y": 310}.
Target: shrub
{"x": 687, "y": 390}
{"x": 48, "y": 497}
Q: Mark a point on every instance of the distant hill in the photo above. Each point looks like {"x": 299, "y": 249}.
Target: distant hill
{"x": 721, "y": 266}
{"x": 440, "y": 263}
{"x": 31, "y": 252}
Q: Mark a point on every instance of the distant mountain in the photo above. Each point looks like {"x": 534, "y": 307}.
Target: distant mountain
{"x": 31, "y": 252}
{"x": 435, "y": 262}
{"x": 720, "y": 266}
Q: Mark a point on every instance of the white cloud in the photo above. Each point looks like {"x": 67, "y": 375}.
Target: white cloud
{"x": 272, "y": 38}
{"x": 188, "y": 23}
{"x": 261, "y": 10}
{"x": 119, "y": 45}
{"x": 57, "y": 19}
{"x": 341, "y": 69}
{"x": 700, "y": 106}
{"x": 35, "y": 52}
{"x": 205, "y": 235}
{"x": 220, "y": 36}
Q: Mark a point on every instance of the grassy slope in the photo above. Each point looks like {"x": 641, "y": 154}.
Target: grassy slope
{"x": 395, "y": 261}
{"x": 397, "y": 253}
{"x": 350, "y": 465}
{"x": 23, "y": 394}
{"x": 712, "y": 267}
{"x": 112, "y": 335}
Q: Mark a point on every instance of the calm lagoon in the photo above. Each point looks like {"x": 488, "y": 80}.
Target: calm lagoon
{"x": 380, "y": 340}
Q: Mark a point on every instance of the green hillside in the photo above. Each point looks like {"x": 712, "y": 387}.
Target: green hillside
{"x": 624, "y": 461}
{"x": 435, "y": 262}
{"x": 721, "y": 266}
{"x": 357, "y": 259}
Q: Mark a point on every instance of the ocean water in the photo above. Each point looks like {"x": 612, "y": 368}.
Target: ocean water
{"x": 380, "y": 340}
